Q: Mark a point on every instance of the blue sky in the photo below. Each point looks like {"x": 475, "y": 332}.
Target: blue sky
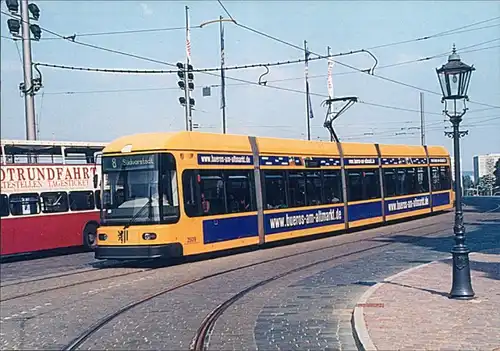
{"x": 344, "y": 26}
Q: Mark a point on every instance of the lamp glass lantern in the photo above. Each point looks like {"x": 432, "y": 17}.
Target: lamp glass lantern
{"x": 454, "y": 77}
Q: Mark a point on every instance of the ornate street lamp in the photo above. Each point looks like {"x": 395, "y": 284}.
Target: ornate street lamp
{"x": 454, "y": 78}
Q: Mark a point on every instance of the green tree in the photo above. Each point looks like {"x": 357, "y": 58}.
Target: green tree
{"x": 467, "y": 182}
{"x": 496, "y": 172}
{"x": 486, "y": 184}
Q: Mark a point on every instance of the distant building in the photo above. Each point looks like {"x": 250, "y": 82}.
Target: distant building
{"x": 452, "y": 160}
{"x": 483, "y": 165}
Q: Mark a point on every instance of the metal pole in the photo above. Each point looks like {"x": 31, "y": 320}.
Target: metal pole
{"x": 307, "y": 91}
{"x": 222, "y": 76}
{"x": 29, "y": 94}
{"x": 462, "y": 286}
{"x": 422, "y": 119}
{"x": 189, "y": 120}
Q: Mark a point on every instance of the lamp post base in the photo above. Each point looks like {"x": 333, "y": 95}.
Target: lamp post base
{"x": 462, "y": 286}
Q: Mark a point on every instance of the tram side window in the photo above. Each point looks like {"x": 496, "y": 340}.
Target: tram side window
{"x": 212, "y": 189}
{"x": 332, "y": 187}
{"x": 275, "y": 190}
{"x": 363, "y": 184}
{"x": 54, "y": 202}
{"x": 297, "y": 189}
{"x": 24, "y": 204}
{"x": 4, "y": 205}
{"x": 239, "y": 191}
{"x": 401, "y": 182}
{"x": 436, "y": 181}
{"x": 371, "y": 184}
{"x": 355, "y": 188}
{"x": 81, "y": 200}
{"x": 390, "y": 177}
{"x": 313, "y": 188}
{"x": 422, "y": 180}
{"x": 445, "y": 177}
{"x": 410, "y": 186}
{"x": 191, "y": 204}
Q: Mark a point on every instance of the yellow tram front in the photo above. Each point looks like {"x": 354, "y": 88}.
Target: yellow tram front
{"x": 139, "y": 206}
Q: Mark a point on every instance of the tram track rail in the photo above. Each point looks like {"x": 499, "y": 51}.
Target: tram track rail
{"x": 35, "y": 279}
{"x": 122, "y": 264}
{"x": 200, "y": 342}
{"x": 202, "y": 337}
{"x": 41, "y": 291}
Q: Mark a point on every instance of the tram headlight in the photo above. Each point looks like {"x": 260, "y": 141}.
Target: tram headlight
{"x": 149, "y": 236}
{"x": 103, "y": 237}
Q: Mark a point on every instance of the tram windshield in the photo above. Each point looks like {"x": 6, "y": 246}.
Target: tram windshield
{"x": 139, "y": 189}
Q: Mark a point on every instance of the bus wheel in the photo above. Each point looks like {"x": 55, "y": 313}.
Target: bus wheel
{"x": 90, "y": 236}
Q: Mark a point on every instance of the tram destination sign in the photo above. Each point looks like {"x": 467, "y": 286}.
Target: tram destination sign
{"x": 129, "y": 163}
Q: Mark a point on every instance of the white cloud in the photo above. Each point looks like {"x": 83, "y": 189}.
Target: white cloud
{"x": 146, "y": 10}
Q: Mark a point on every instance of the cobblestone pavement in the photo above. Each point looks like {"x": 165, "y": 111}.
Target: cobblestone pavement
{"x": 413, "y": 312}
{"x": 310, "y": 306}
{"x": 27, "y": 269}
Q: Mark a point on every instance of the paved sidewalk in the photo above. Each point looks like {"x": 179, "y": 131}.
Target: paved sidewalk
{"x": 412, "y": 311}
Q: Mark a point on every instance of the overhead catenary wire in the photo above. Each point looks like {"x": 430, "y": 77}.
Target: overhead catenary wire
{"x": 355, "y": 68}
{"x": 199, "y": 70}
{"x": 129, "y": 71}
{"x": 242, "y": 80}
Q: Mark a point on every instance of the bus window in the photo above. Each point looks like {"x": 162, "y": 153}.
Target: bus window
{"x": 4, "y": 205}
{"x": 81, "y": 200}
{"x": 54, "y": 202}
{"x": 274, "y": 190}
{"x": 24, "y": 204}
{"x": 297, "y": 189}
{"x": 332, "y": 187}
{"x": 98, "y": 199}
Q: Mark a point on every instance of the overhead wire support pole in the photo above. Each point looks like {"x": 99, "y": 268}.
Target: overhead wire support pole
{"x": 189, "y": 121}
{"x": 29, "y": 92}
{"x": 222, "y": 76}
{"x": 308, "y": 107}
{"x": 422, "y": 119}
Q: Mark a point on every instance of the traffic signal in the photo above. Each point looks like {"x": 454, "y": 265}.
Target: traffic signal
{"x": 182, "y": 101}
{"x": 37, "y": 32}
{"x": 35, "y": 11}
{"x": 181, "y": 73}
{"x": 12, "y": 5}
{"x": 14, "y": 26}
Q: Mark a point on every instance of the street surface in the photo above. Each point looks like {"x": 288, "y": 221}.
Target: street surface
{"x": 309, "y": 308}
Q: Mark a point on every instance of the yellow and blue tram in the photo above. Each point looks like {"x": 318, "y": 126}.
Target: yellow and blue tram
{"x": 184, "y": 193}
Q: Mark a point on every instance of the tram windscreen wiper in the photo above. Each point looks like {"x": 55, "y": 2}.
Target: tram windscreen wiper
{"x": 147, "y": 204}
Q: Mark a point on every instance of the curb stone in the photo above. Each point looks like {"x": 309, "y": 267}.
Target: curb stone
{"x": 360, "y": 332}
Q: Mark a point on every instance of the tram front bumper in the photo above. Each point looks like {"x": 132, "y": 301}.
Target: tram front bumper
{"x": 138, "y": 252}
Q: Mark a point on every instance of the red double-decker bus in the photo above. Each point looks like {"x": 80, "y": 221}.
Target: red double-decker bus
{"x": 50, "y": 196}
